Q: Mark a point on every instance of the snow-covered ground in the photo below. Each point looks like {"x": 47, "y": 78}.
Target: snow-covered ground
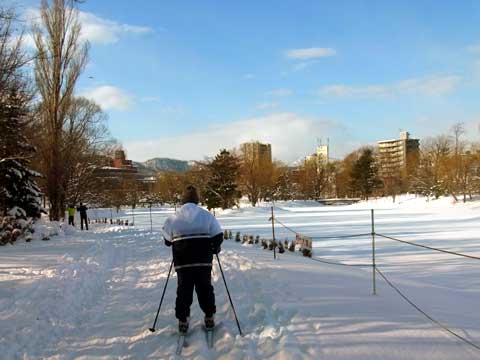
{"x": 93, "y": 295}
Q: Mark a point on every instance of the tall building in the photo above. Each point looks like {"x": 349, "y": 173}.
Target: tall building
{"x": 257, "y": 152}
{"x": 398, "y": 155}
{"x": 322, "y": 154}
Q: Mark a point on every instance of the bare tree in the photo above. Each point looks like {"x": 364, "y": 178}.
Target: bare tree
{"x": 61, "y": 58}
{"x": 256, "y": 178}
{"x": 458, "y": 130}
{"x": 85, "y": 144}
{"x": 12, "y": 58}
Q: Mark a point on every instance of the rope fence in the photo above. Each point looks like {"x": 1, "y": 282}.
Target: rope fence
{"x": 415, "y": 306}
{"x": 321, "y": 237}
{"x": 376, "y": 270}
{"x": 325, "y": 261}
{"x": 429, "y": 247}
{"x": 338, "y": 263}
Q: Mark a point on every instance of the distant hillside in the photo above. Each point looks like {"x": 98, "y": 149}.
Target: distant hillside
{"x": 166, "y": 164}
{"x": 143, "y": 170}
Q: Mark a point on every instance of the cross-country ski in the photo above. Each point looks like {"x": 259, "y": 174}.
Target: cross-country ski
{"x": 209, "y": 336}
{"x": 181, "y": 341}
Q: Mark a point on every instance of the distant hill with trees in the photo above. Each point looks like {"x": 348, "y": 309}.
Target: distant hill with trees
{"x": 166, "y": 164}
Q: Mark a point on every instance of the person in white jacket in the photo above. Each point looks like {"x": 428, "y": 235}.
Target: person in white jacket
{"x": 195, "y": 235}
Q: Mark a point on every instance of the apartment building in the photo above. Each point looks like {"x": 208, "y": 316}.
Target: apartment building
{"x": 258, "y": 152}
{"x": 397, "y": 156}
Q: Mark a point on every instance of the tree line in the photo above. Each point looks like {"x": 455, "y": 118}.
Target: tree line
{"x": 444, "y": 165}
{"x": 52, "y": 140}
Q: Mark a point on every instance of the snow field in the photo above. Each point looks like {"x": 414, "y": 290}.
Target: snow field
{"x": 93, "y": 295}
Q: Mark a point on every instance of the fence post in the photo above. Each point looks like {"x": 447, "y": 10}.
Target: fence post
{"x": 273, "y": 236}
{"x": 373, "y": 253}
{"x": 133, "y": 216}
{"x": 151, "y": 224}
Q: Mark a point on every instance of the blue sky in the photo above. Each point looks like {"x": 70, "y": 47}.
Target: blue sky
{"x": 186, "y": 78}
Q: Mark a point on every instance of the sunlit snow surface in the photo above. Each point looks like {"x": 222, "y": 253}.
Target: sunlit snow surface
{"x": 93, "y": 295}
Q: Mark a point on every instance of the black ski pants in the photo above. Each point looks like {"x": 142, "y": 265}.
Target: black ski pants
{"x": 199, "y": 278}
{"x": 83, "y": 220}
{"x": 71, "y": 220}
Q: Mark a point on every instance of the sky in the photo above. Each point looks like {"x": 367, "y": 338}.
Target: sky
{"x": 184, "y": 79}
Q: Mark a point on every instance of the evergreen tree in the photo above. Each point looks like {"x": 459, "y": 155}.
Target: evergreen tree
{"x": 17, "y": 180}
{"x": 221, "y": 188}
{"x": 364, "y": 174}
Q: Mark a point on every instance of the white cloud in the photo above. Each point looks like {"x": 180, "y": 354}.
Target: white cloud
{"x": 474, "y": 48}
{"x": 282, "y": 92}
{"x": 347, "y": 91}
{"x": 266, "y": 105}
{"x": 102, "y": 31}
{"x": 109, "y": 97}
{"x": 431, "y": 86}
{"x": 427, "y": 86}
{"x": 95, "y": 29}
{"x": 291, "y": 136}
{"x": 310, "y": 53}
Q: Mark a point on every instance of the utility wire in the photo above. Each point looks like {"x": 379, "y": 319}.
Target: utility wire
{"x": 429, "y": 247}
{"x": 444, "y": 327}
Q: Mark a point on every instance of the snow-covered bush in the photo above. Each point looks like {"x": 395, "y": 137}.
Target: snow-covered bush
{"x": 291, "y": 247}
{"x": 244, "y": 238}
{"x": 15, "y": 226}
{"x": 271, "y": 245}
{"x": 306, "y": 252}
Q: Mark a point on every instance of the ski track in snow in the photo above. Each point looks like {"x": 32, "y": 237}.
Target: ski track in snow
{"x": 93, "y": 295}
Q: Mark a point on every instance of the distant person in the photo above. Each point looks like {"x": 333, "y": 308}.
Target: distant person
{"x": 82, "y": 209}
{"x": 71, "y": 215}
{"x": 195, "y": 235}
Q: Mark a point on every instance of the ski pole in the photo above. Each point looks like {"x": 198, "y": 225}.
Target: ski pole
{"x": 152, "y": 329}
{"x": 229, "y": 297}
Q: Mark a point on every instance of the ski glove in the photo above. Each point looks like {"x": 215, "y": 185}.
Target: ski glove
{"x": 216, "y": 249}
{"x": 215, "y": 243}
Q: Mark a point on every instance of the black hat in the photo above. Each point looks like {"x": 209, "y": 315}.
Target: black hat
{"x": 190, "y": 195}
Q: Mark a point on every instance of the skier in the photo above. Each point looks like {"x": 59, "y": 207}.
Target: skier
{"x": 71, "y": 215}
{"x": 195, "y": 235}
{"x": 82, "y": 209}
